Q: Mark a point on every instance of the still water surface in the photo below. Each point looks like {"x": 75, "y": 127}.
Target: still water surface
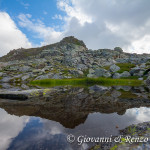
{"x": 45, "y": 123}
{"x": 33, "y": 133}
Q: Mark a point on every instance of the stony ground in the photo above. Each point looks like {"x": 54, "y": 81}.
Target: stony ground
{"x": 70, "y": 58}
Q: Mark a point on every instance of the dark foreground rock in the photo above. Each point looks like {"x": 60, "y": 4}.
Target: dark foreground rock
{"x": 21, "y": 95}
{"x": 134, "y": 137}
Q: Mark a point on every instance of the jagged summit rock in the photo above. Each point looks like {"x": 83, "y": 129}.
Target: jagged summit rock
{"x": 118, "y": 49}
{"x": 73, "y": 40}
{"x": 66, "y": 44}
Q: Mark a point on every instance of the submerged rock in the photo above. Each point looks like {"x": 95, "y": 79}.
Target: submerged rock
{"x": 25, "y": 94}
{"x": 98, "y": 88}
{"x": 115, "y": 93}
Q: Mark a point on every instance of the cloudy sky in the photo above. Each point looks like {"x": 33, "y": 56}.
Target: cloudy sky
{"x": 99, "y": 23}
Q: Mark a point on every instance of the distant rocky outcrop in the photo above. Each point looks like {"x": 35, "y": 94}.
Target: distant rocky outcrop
{"x": 70, "y": 58}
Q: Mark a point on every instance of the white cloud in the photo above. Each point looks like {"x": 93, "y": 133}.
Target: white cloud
{"x": 45, "y": 12}
{"x": 57, "y": 17}
{"x": 140, "y": 114}
{"x": 26, "y": 5}
{"x": 99, "y": 23}
{"x": 105, "y": 24}
{"x": 47, "y": 34}
{"x": 10, "y": 127}
{"x": 65, "y": 5}
{"x": 142, "y": 44}
{"x": 10, "y": 36}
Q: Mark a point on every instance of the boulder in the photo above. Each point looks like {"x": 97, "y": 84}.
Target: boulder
{"x": 91, "y": 76}
{"x": 36, "y": 70}
{"x": 25, "y": 69}
{"x": 122, "y": 60}
{"x": 76, "y": 72}
{"x": 116, "y": 76}
{"x": 107, "y": 74}
{"x": 91, "y": 71}
{"x": 6, "y": 79}
{"x": 81, "y": 67}
{"x": 57, "y": 76}
{"x": 135, "y": 70}
{"x": 1, "y": 74}
{"x": 143, "y": 65}
{"x": 25, "y": 77}
{"x": 42, "y": 77}
{"x": 102, "y": 73}
{"x": 140, "y": 79}
{"x": 114, "y": 68}
{"x": 139, "y": 74}
{"x": 46, "y": 76}
{"x": 125, "y": 74}
{"x": 46, "y": 68}
{"x": 13, "y": 68}
{"x": 80, "y": 72}
{"x": 118, "y": 49}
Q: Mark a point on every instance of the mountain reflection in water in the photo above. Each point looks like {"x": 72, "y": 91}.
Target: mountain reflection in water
{"x": 44, "y": 124}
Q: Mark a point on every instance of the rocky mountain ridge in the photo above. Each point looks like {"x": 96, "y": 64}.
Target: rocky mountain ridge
{"x": 70, "y": 58}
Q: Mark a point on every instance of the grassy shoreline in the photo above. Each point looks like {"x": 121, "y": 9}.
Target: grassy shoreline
{"x": 87, "y": 82}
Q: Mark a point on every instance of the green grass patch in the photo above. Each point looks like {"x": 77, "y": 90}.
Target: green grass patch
{"x": 125, "y": 67}
{"x": 106, "y": 67}
{"x": 148, "y": 63}
{"x": 85, "y": 72}
{"x": 86, "y": 82}
{"x": 131, "y": 77}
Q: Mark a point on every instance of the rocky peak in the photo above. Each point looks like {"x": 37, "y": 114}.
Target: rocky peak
{"x": 118, "y": 49}
{"x": 73, "y": 40}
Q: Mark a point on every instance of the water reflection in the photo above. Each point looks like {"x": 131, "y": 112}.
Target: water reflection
{"x": 10, "y": 127}
{"x": 36, "y": 133}
{"x": 43, "y": 123}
